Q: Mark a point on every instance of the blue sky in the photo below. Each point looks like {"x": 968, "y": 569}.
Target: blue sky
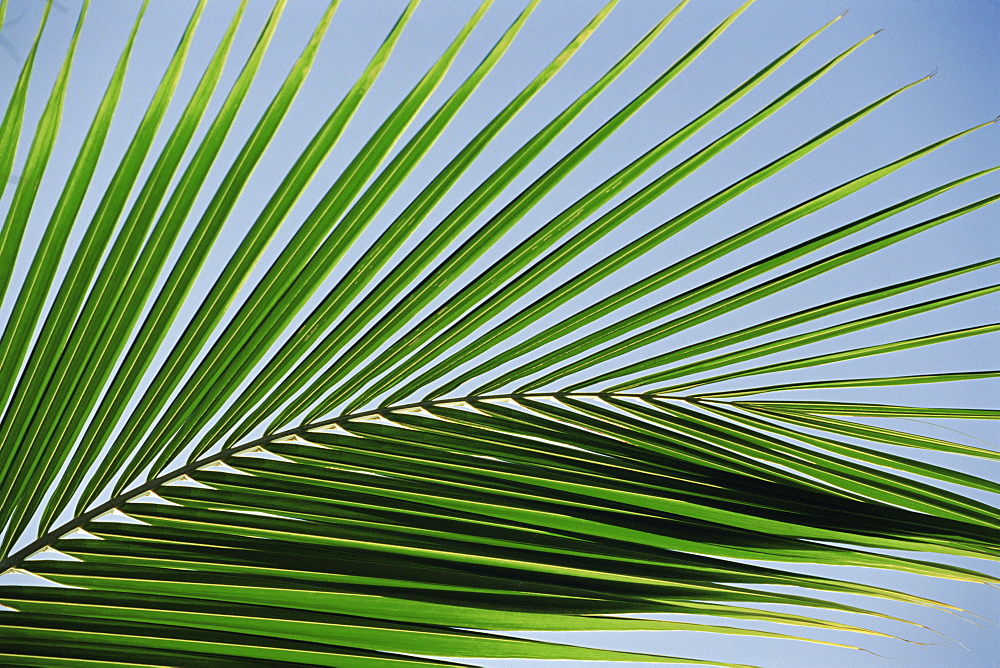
{"x": 958, "y": 40}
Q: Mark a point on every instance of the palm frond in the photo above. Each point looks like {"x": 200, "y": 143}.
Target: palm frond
{"x": 427, "y": 386}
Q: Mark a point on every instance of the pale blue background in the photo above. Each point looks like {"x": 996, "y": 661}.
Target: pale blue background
{"x": 958, "y": 38}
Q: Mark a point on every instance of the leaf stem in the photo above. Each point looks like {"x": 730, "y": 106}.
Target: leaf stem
{"x": 16, "y": 558}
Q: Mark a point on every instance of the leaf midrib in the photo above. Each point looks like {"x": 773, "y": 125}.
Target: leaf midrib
{"x": 15, "y": 559}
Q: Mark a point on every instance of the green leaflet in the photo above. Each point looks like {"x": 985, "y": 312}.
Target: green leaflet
{"x": 326, "y": 220}
{"x": 584, "y": 239}
{"x": 28, "y": 307}
{"x": 631, "y": 323}
{"x": 874, "y": 410}
{"x": 790, "y": 342}
{"x": 675, "y": 303}
{"x": 57, "y": 331}
{"x": 155, "y": 250}
{"x": 319, "y": 628}
{"x": 58, "y": 326}
{"x": 878, "y": 434}
{"x": 502, "y": 222}
{"x": 143, "y": 348}
{"x": 267, "y": 223}
{"x": 857, "y": 382}
{"x": 867, "y": 454}
{"x": 830, "y": 358}
{"x": 845, "y": 475}
{"x": 361, "y": 214}
{"x": 43, "y": 139}
{"x": 426, "y": 249}
{"x": 32, "y": 419}
{"x": 17, "y": 218}
{"x": 504, "y": 514}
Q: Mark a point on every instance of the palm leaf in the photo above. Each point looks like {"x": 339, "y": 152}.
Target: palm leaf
{"x": 455, "y": 406}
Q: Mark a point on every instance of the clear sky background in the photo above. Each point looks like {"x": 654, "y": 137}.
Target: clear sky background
{"x": 959, "y": 39}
